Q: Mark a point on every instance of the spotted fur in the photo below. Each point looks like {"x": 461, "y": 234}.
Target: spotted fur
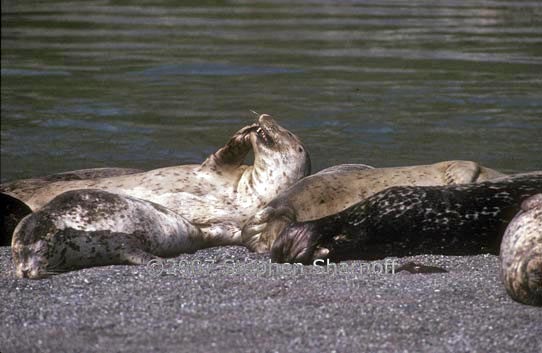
{"x": 337, "y": 188}
{"x": 408, "y": 220}
{"x": 83, "y": 228}
{"x": 521, "y": 253}
{"x": 211, "y": 201}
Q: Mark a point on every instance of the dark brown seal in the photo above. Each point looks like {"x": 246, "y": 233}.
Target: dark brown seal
{"x": 339, "y": 187}
{"x": 402, "y": 221}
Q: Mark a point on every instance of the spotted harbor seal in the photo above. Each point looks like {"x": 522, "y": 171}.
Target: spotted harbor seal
{"x": 13, "y": 208}
{"x": 409, "y": 220}
{"x": 216, "y": 197}
{"x": 337, "y": 188}
{"x": 521, "y": 253}
{"x": 84, "y": 228}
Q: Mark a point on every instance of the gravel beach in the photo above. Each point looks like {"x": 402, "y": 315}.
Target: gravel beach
{"x": 230, "y": 300}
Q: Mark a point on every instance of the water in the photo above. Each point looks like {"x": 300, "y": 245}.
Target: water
{"x": 155, "y": 83}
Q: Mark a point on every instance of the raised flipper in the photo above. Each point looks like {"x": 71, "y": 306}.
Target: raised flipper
{"x": 233, "y": 153}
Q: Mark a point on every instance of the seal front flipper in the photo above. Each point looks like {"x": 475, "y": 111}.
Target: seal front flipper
{"x": 136, "y": 256}
{"x": 233, "y": 153}
{"x": 11, "y": 213}
{"x": 270, "y": 220}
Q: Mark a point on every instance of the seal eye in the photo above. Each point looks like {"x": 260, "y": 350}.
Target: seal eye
{"x": 300, "y": 149}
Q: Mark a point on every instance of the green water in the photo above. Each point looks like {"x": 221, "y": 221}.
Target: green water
{"x": 154, "y": 83}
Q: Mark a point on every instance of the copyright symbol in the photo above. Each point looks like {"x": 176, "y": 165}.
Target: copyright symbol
{"x": 155, "y": 267}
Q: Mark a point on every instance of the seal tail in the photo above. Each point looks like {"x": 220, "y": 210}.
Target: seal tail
{"x": 11, "y": 212}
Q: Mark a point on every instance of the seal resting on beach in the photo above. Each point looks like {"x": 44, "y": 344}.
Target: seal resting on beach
{"x": 408, "y": 220}
{"x": 212, "y": 200}
{"x": 521, "y": 253}
{"x": 13, "y": 208}
{"x": 85, "y": 228}
{"x": 337, "y": 188}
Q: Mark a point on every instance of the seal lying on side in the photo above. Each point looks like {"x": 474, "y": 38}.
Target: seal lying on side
{"x": 337, "y": 188}
{"x": 219, "y": 195}
{"x": 84, "y": 228}
{"x": 408, "y": 220}
{"x": 13, "y": 209}
{"x": 521, "y": 253}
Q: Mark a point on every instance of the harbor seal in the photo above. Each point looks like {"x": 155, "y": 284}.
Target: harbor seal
{"x": 409, "y": 220}
{"x": 280, "y": 159}
{"x": 24, "y": 189}
{"x": 521, "y": 253}
{"x": 84, "y": 228}
{"x": 216, "y": 197}
{"x": 13, "y": 208}
{"x": 337, "y": 188}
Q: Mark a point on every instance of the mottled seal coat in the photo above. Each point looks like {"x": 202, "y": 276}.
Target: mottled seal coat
{"x": 13, "y": 208}
{"x": 521, "y": 253}
{"x": 337, "y": 188}
{"x": 83, "y": 228}
{"x": 408, "y": 220}
{"x": 24, "y": 189}
{"x": 211, "y": 201}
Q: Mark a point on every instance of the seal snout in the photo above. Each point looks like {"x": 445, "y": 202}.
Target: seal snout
{"x": 30, "y": 268}
{"x": 28, "y": 273}
{"x": 266, "y": 120}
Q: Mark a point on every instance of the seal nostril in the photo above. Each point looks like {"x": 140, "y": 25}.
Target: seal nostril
{"x": 25, "y": 273}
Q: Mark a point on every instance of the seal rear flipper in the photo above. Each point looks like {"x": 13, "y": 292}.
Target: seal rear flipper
{"x": 464, "y": 172}
{"x": 138, "y": 257}
{"x": 13, "y": 210}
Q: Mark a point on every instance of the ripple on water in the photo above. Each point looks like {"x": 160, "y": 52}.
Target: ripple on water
{"x": 211, "y": 69}
{"x": 27, "y": 72}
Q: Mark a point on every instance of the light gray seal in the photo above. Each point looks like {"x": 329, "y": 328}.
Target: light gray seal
{"x": 211, "y": 201}
{"x": 408, "y": 220}
{"x": 13, "y": 209}
{"x": 521, "y": 253}
{"x": 337, "y": 188}
{"x": 85, "y": 228}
